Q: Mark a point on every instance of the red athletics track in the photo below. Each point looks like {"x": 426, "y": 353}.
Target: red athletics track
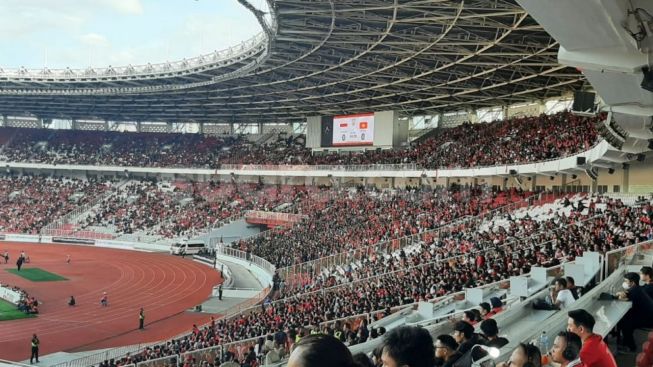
{"x": 164, "y": 285}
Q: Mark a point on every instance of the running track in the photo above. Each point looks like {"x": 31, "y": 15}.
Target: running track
{"x": 164, "y": 285}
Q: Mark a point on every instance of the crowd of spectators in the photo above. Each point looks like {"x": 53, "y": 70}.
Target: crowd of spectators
{"x": 355, "y": 218}
{"x": 175, "y": 210}
{"x": 515, "y": 140}
{"x": 601, "y": 225}
{"x": 113, "y": 148}
{"x": 29, "y": 203}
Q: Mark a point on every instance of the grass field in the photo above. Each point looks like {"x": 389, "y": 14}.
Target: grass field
{"x": 36, "y": 275}
{"x": 10, "y": 312}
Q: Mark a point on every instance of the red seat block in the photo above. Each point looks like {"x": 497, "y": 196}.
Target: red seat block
{"x": 642, "y": 360}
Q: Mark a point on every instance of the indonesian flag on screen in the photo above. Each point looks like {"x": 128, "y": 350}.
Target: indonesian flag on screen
{"x": 344, "y": 124}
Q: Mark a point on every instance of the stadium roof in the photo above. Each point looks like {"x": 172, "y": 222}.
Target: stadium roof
{"x": 320, "y": 58}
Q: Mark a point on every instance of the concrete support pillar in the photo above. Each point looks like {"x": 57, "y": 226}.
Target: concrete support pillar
{"x": 533, "y": 182}
{"x": 231, "y": 128}
{"x": 3, "y": 122}
{"x": 563, "y": 183}
{"x": 595, "y": 186}
{"x": 472, "y": 116}
{"x": 106, "y": 125}
{"x": 625, "y": 182}
{"x": 446, "y": 182}
{"x": 75, "y": 124}
{"x": 201, "y": 127}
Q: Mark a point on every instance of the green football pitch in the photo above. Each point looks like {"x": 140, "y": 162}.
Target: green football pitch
{"x": 10, "y": 312}
{"x": 36, "y": 275}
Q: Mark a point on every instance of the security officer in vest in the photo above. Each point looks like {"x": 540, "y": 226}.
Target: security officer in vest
{"x": 141, "y": 319}
{"x": 35, "y": 349}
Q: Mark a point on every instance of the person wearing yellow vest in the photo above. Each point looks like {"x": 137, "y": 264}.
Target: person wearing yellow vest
{"x": 35, "y": 349}
{"x": 141, "y": 319}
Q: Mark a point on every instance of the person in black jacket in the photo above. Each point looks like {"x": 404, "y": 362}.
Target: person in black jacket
{"x": 490, "y": 330}
{"x": 408, "y": 346}
{"x": 639, "y": 315}
{"x": 446, "y": 351}
{"x": 647, "y": 277}
{"x": 467, "y": 339}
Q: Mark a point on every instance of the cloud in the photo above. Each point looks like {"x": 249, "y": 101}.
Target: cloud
{"x": 94, "y": 39}
{"x": 74, "y": 33}
{"x": 127, "y": 7}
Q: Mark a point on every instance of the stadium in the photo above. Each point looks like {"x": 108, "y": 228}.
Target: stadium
{"x": 354, "y": 183}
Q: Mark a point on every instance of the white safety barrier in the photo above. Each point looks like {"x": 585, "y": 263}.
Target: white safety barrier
{"x": 9, "y": 295}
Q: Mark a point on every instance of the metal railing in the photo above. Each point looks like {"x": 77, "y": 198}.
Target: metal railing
{"x": 321, "y": 167}
{"x": 258, "y": 261}
{"x": 623, "y": 256}
{"x": 165, "y": 69}
{"x": 97, "y": 358}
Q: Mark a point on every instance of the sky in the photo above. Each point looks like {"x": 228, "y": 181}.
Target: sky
{"x": 99, "y": 33}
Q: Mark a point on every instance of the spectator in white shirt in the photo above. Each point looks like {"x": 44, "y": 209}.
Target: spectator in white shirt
{"x": 561, "y": 297}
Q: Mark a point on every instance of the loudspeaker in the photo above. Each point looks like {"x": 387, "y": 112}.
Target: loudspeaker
{"x": 650, "y": 144}
{"x": 513, "y": 172}
{"x": 647, "y": 82}
{"x": 610, "y": 170}
{"x": 580, "y": 161}
{"x": 583, "y": 102}
{"x": 641, "y": 157}
{"x": 592, "y": 173}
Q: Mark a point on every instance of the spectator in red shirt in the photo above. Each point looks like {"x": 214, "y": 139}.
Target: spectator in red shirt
{"x": 594, "y": 353}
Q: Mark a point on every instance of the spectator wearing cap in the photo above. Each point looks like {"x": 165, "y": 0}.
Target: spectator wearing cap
{"x": 446, "y": 351}
{"x": 490, "y": 330}
{"x": 594, "y": 352}
{"x": 497, "y": 305}
{"x": 641, "y": 313}
{"x": 408, "y": 346}
{"x": 466, "y": 338}
{"x": 566, "y": 349}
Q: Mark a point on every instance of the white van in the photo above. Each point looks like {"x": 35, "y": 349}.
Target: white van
{"x": 186, "y": 248}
